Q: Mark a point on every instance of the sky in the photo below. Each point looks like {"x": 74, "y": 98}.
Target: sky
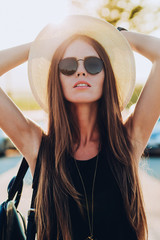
{"x": 22, "y": 20}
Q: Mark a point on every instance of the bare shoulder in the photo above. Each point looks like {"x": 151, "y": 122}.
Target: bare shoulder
{"x": 31, "y": 144}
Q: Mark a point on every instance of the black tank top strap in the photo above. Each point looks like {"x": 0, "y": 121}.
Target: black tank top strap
{"x": 37, "y": 167}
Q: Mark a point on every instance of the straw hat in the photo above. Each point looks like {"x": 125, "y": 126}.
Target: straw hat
{"x": 114, "y": 43}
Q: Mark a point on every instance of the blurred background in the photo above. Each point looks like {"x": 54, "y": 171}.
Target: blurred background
{"x": 20, "y": 22}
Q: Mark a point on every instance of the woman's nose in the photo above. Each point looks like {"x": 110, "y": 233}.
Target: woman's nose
{"x": 80, "y": 74}
{"x": 81, "y": 71}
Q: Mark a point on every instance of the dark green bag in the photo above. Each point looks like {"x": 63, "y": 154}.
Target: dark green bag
{"x": 12, "y": 223}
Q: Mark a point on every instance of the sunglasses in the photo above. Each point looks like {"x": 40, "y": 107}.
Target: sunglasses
{"x": 68, "y": 66}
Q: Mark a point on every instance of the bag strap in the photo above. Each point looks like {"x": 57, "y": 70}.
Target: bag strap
{"x": 31, "y": 226}
{"x": 17, "y": 183}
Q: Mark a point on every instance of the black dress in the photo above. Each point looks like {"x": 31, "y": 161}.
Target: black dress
{"x": 110, "y": 220}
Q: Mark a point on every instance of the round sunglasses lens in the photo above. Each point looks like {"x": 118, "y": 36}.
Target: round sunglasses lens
{"x": 68, "y": 66}
{"x": 93, "y": 65}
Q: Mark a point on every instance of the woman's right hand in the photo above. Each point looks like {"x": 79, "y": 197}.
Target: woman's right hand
{"x": 12, "y": 57}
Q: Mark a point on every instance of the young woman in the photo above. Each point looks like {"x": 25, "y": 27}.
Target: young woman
{"x": 86, "y": 172}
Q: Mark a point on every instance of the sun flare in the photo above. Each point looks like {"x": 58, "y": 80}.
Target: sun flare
{"x": 59, "y": 11}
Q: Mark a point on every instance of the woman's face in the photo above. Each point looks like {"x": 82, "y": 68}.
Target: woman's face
{"x": 80, "y": 49}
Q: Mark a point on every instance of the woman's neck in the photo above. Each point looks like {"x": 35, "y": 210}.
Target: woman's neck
{"x": 86, "y": 115}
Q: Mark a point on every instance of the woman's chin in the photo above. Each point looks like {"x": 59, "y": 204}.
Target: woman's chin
{"x": 82, "y": 101}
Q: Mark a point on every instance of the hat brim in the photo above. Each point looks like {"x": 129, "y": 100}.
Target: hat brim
{"x": 52, "y": 36}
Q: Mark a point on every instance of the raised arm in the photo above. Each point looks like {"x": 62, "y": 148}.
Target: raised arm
{"x": 12, "y": 57}
{"x": 24, "y": 133}
{"x": 147, "y": 109}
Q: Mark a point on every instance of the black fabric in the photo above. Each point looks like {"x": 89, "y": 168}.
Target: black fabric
{"x": 37, "y": 169}
{"x": 31, "y": 227}
{"x": 16, "y": 183}
{"x": 12, "y": 223}
{"x": 110, "y": 220}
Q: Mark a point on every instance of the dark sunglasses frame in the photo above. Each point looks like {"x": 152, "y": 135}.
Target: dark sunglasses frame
{"x": 92, "y": 64}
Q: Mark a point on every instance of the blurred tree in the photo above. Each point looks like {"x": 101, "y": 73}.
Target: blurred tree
{"x": 139, "y": 15}
{"x": 135, "y": 96}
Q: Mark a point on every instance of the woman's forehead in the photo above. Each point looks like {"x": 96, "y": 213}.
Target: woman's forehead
{"x": 80, "y": 48}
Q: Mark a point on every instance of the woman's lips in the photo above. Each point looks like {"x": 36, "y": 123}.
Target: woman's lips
{"x": 82, "y": 84}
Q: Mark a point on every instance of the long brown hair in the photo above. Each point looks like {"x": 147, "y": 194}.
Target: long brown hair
{"x": 55, "y": 186}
